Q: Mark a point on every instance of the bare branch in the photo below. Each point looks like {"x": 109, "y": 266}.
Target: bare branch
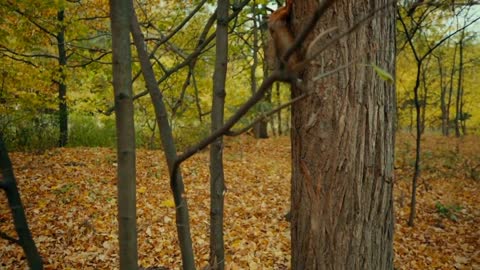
{"x": 266, "y": 115}
{"x": 9, "y": 238}
{"x": 182, "y": 24}
{"x": 20, "y": 60}
{"x": 38, "y": 25}
{"x": 91, "y": 60}
{"x": 276, "y": 75}
{"x": 419, "y": 3}
{"x": 449, "y": 36}
{"x": 300, "y": 97}
{"x": 192, "y": 57}
{"x": 43, "y": 55}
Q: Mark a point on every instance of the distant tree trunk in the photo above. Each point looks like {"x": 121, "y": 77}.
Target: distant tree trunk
{"x": 197, "y": 97}
{"x": 418, "y": 140}
{"x": 9, "y": 185}
{"x": 120, "y": 17}
{"x": 279, "y": 114}
{"x": 259, "y": 129}
{"x": 410, "y": 127}
{"x": 424, "y": 99}
{"x": 458, "y": 103}
{"x": 450, "y": 91}
{"x": 217, "y": 181}
{"x": 62, "y": 86}
{"x": 265, "y": 68}
{"x": 443, "y": 94}
{"x": 343, "y": 147}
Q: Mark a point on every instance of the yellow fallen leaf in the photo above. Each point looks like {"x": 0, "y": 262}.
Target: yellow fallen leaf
{"x": 168, "y": 203}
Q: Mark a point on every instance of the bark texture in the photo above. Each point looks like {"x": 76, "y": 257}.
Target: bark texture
{"x": 343, "y": 145}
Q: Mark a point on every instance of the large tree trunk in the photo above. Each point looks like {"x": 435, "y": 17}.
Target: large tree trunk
{"x": 343, "y": 146}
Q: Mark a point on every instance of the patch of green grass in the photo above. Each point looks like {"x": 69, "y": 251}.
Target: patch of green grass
{"x": 448, "y": 211}
{"x": 91, "y": 131}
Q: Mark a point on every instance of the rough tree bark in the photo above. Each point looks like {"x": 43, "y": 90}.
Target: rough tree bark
{"x": 343, "y": 146}
{"x": 120, "y": 14}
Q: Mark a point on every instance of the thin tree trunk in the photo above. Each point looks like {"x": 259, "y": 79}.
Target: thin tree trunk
{"x": 62, "y": 86}
{"x": 279, "y": 114}
{"x": 443, "y": 94}
{"x": 416, "y": 172}
{"x": 9, "y": 184}
{"x": 168, "y": 143}
{"x": 217, "y": 181}
{"x": 458, "y": 107}
{"x": 450, "y": 91}
{"x": 343, "y": 147}
{"x": 424, "y": 100}
{"x": 259, "y": 129}
{"x": 197, "y": 98}
{"x": 120, "y": 14}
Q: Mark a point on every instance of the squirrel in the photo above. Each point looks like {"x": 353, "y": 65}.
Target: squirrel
{"x": 279, "y": 24}
{"x": 282, "y": 36}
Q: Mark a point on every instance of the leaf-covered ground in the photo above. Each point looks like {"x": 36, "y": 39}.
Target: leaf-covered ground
{"x": 70, "y": 198}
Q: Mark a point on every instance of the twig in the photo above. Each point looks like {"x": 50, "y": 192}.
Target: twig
{"x": 9, "y": 238}
{"x": 266, "y": 115}
{"x": 192, "y": 57}
{"x": 282, "y": 106}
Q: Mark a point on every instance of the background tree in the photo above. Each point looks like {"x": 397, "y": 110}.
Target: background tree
{"x": 34, "y": 37}
{"x": 421, "y": 55}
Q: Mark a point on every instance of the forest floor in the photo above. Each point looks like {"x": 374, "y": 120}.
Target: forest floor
{"x": 70, "y": 199}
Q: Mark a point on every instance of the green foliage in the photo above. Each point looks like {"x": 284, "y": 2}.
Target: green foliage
{"x": 188, "y": 136}
{"x": 91, "y": 131}
{"x": 472, "y": 167}
{"x": 448, "y": 211}
{"x": 24, "y": 131}
{"x": 440, "y": 70}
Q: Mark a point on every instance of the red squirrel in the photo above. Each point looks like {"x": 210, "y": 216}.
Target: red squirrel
{"x": 282, "y": 36}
